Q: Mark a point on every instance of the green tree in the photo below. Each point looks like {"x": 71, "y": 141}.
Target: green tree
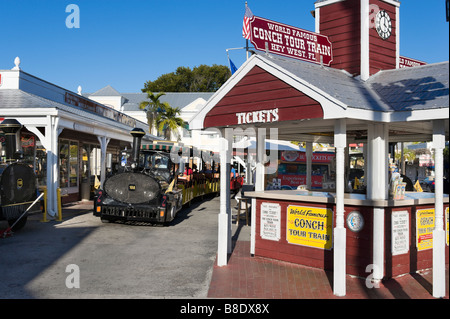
{"x": 152, "y": 108}
{"x": 168, "y": 121}
{"x": 203, "y": 78}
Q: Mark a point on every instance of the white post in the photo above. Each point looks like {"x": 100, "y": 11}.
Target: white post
{"x": 339, "y": 257}
{"x": 365, "y": 68}
{"x": 51, "y": 133}
{"x": 439, "y": 232}
{"x": 229, "y": 152}
{"x": 259, "y": 181}
{"x": 377, "y": 140}
{"x": 222, "y": 249}
{"x": 103, "y": 146}
{"x": 309, "y": 153}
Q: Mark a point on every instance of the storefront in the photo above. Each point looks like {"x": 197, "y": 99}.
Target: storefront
{"x": 363, "y": 97}
{"x": 71, "y": 141}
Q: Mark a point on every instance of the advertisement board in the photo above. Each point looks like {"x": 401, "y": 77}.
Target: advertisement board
{"x": 446, "y": 224}
{"x": 270, "y": 221}
{"x": 310, "y": 226}
{"x": 424, "y": 228}
{"x": 400, "y": 232}
{"x": 282, "y": 39}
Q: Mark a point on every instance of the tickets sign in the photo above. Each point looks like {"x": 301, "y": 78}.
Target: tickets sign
{"x": 282, "y": 39}
{"x": 310, "y": 226}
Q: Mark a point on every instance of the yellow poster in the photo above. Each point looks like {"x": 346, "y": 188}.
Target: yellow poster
{"x": 424, "y": 228}
{"x": 446, "y": 223}
{"x": 310, "y": 226}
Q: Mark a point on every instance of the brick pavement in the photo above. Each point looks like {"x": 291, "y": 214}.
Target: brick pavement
{"x": 257, "y": 277}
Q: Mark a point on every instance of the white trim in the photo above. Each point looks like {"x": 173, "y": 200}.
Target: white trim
{"x": 395, "y": 116}
{"x": 317, "y": 22}
{"x": 339, "y": 232}
{"x": 365, "y": 54}
{"x": 392, "y": 2}
{"x": 397, "y": 37}
{"x": 439, "y": 285}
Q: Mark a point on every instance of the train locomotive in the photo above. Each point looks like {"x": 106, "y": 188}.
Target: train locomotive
{"x": 149, "y": 188}
{"x": 17, "y": 180}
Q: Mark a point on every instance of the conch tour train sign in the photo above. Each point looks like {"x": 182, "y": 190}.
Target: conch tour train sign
{"x": 282, "y": 39}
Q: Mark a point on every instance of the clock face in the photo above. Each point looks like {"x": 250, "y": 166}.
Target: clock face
{"x": 383, "y": 24}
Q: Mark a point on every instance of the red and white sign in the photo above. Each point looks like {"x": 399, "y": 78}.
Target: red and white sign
{"x": 294, "y": 156}
{"x": 407, "y": 62}
{"x": 282, "y": 39}
{"x": 263, "y": 116}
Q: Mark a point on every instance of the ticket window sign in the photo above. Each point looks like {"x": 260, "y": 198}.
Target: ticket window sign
{"x": 400, "y": 232}
{"x": 425, "y": 223}
{"x": 270, "y": 221}
{"x": 310, "y": 226}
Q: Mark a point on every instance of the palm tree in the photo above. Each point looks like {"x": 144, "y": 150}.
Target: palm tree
{"x": 168, "y": 121}
{"x": 152, "y": 108}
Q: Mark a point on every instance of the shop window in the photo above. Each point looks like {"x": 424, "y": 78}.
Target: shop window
{"x": 28, "y": 143}
{"x": 40, "y": 164}
{"x": 68, "y": 164}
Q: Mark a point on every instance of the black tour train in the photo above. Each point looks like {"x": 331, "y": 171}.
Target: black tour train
{"x": 17, "y": 180}
{"x": 154, "y": 185}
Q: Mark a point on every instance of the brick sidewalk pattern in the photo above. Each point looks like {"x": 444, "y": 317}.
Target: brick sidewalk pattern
{"x": 256, "y": 277}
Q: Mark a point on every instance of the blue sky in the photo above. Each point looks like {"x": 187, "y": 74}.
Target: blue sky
{"x": 125, "y": 43}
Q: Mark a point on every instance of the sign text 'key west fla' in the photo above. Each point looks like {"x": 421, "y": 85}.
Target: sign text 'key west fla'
{"x": 282, "y": 39}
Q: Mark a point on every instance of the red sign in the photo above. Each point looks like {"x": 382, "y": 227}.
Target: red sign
{"x": 294, "y": 156}
{"x": 407, "y": 62}
{"x": 289, "y": 41}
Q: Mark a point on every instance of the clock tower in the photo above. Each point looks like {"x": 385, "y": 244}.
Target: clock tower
{"x": 364, "y": 34}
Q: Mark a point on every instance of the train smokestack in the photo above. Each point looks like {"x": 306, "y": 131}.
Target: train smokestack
{"x": 137, "y": 134}
{"x": 10, "y": 127}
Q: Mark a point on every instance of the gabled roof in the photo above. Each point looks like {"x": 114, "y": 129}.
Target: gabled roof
{"x": 384, "y": 97}
{"x": 25, "y": 103}
{"x": 417, "y": 88}
{"x": 106, "y": 91}
{"x": 175, "y": 99}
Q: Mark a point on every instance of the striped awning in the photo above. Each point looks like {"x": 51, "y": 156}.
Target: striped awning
{"x": 157, "y": 147}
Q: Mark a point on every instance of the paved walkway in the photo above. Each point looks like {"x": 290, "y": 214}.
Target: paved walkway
{"x": 257, "y": 277}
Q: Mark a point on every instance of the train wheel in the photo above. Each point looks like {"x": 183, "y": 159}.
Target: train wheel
{"x": 106, "y": 220}
{"x": 20, "y": 223}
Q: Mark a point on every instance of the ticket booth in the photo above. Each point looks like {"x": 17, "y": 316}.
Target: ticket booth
{"x": 360, "y": 96}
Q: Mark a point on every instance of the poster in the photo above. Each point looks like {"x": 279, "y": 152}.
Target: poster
{"x": 400, "y": 232}
{"x": 446, "y": 223}
{"x": 270, "y": 221}
{"x": 424, "y": 228}
{"x": 310, "y": 226}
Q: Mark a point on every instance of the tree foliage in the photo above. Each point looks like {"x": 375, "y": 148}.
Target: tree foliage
{"x": 153, "y": 107}
{"x": 202, "y": 78}
{"x": 161, "y": 115}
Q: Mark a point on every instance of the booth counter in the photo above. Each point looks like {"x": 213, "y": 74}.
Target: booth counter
{"x": 297, "y": 226}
